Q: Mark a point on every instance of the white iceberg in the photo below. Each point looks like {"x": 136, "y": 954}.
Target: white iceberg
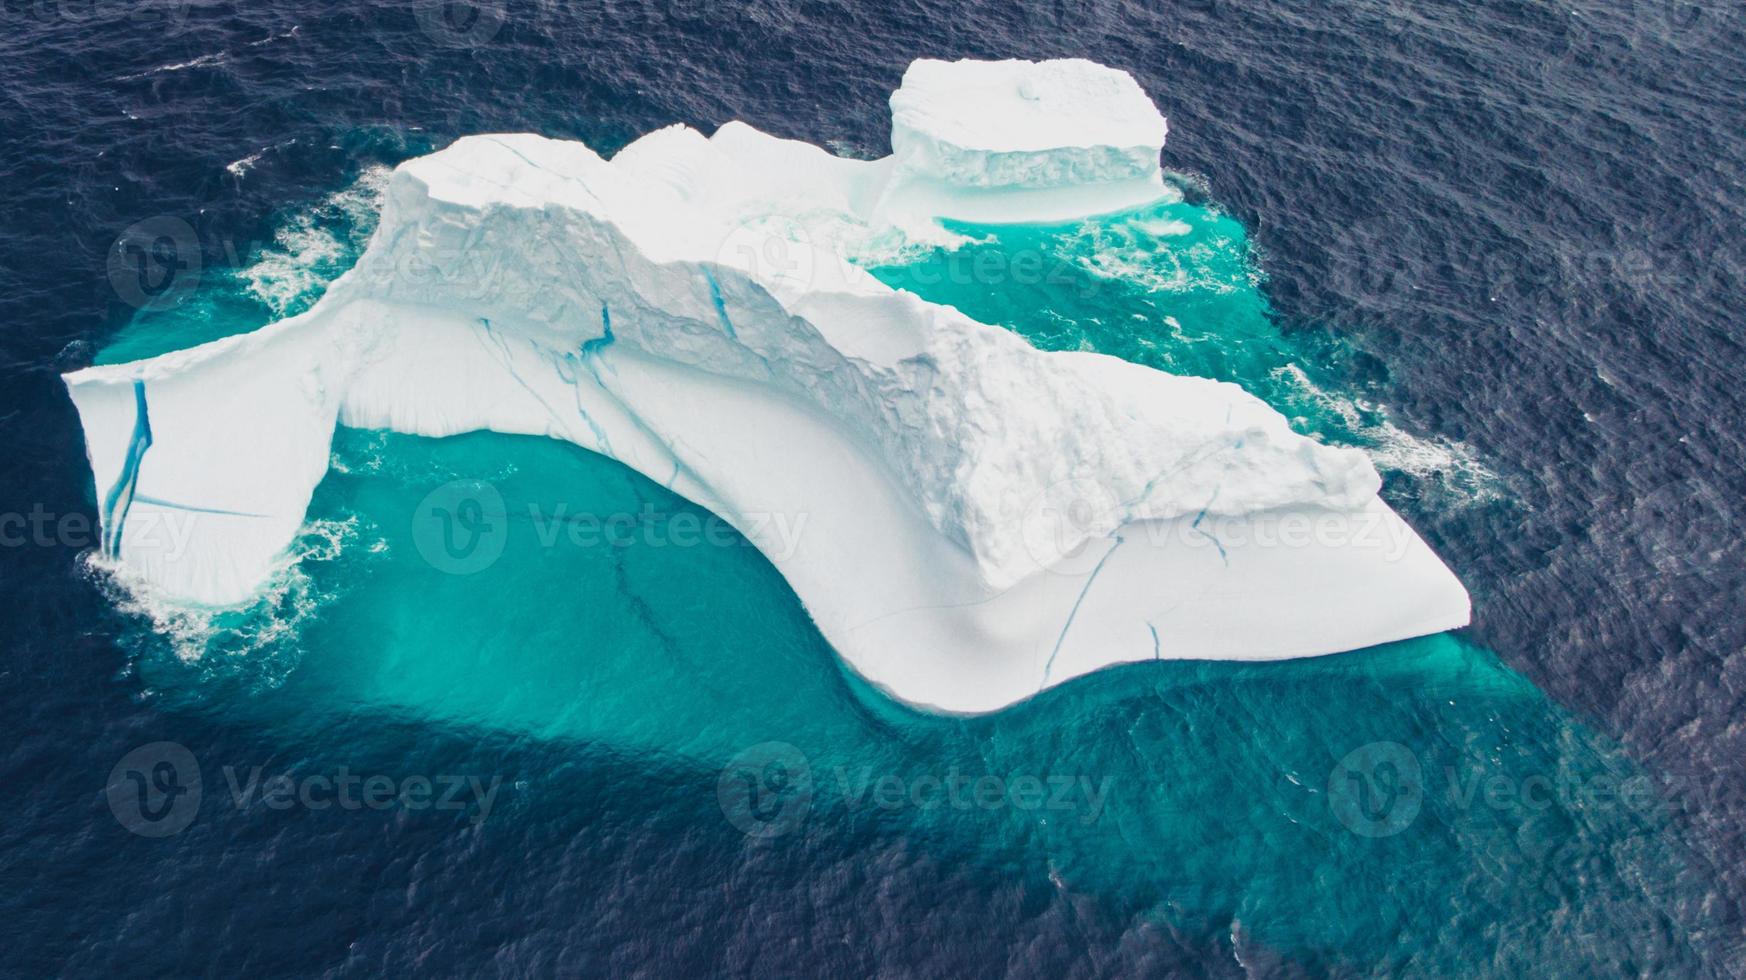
{"x": 980, "y": 520}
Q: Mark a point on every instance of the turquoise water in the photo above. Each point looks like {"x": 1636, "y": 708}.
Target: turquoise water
{"x": 1411, "y": 807}
{"x": 268, "y": 280}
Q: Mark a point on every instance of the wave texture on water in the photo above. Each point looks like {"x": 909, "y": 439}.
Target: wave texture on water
{"x": 1500, "y": 252}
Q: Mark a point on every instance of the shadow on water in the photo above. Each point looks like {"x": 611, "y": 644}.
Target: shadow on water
{"x": 1348, "y": 810}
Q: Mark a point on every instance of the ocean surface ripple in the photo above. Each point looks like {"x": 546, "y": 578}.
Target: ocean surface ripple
{"x": 1504, "y": 237}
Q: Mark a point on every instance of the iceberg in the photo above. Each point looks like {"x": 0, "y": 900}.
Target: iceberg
{"x": 980, "y": 520}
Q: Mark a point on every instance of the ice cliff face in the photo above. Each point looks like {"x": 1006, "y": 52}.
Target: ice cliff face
{"x": 983, "y": 519}
{"x": 1015, "y": 124}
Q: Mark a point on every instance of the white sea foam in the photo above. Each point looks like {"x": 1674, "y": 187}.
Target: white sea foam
{"x": 1466, "y": 478}
{"x": 283, "y": 35}
{"x": 311, "y": 248}
{"x": 237, "y": 168}
{"x": 1148, "y": 252}
{"x": 267, "y": 623}
{"x": 204, "y": 61}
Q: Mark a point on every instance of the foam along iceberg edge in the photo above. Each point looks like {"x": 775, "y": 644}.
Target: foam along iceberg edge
{"x": 979, "y": 520}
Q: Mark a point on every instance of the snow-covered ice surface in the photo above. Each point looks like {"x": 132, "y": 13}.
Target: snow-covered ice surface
{"x": 968, "y": 520}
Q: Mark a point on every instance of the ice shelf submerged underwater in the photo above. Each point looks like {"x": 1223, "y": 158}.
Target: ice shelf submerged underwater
{"x": 982, "y": 519}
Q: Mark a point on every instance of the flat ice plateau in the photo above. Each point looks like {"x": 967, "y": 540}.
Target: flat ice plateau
{"x": 979, "y": 520}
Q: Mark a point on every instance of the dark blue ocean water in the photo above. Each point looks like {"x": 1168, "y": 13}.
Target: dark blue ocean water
{"x": 1517, "y": 226}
